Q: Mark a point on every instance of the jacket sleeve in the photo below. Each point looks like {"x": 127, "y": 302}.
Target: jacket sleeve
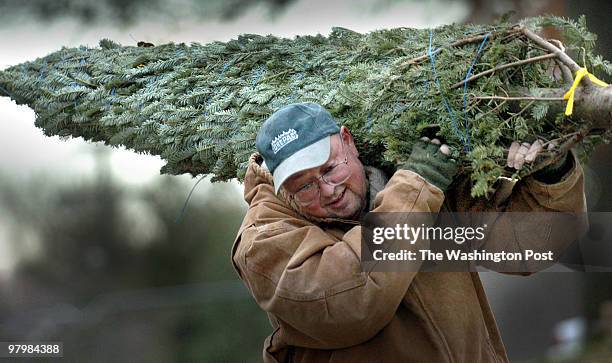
{"x": 545, "y": 217}
{"x": 567, "y": 195}
{"x": 311, "y": 280}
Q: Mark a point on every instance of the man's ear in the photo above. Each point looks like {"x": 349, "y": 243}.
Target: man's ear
{"x": 347, "y": 137}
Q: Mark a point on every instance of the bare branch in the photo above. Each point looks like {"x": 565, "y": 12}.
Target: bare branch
{"x": 457, "y": 43}
{"x": 518, "y": 98}
{"x": 504, "y": 66}
{"x": 573, "y": 66}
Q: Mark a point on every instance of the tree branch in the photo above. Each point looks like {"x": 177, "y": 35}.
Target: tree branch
{"x": 504, "y": 66}
{"x": 573, "y": 66}
{"x": 457, "y": 43}
{"x": 592, "y": 105}
{"x": 518, "y": 98}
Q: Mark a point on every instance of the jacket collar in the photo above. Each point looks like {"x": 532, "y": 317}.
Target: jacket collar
{"x": 256, "y": 175}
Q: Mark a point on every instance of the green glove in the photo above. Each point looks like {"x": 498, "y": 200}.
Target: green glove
{"x": 435, "y": 167}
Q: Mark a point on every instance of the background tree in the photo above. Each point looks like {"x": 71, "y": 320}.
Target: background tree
{"x": 115, "y": 276}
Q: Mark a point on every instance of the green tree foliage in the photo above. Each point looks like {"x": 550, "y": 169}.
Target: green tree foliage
{"x": 200, "y": 106}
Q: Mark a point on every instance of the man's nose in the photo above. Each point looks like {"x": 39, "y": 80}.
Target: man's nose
{"x": 326, "y": 189}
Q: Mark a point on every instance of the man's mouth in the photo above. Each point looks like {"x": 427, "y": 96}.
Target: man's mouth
{"x": 338, "y": 201}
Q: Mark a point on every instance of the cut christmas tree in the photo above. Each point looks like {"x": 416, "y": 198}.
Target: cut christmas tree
{"x": 199, "y": 107}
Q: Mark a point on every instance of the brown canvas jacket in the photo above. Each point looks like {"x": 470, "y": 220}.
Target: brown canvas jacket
{"x": 306, "y": 275}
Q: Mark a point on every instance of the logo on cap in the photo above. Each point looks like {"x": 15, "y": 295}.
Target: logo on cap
{"x": 284, "y": 138}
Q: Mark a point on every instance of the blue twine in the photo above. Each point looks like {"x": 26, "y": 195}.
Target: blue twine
{"x": 444, "y": 100}
{"x": 465, "y": 85}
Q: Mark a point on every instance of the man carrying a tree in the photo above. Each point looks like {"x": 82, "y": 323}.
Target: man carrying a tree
{"x": 299, "y": 247}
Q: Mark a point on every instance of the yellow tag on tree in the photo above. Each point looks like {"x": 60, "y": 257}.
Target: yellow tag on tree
{"x": 569, "y": 95}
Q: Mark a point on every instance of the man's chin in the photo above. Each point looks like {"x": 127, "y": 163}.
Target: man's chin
{"x": 350, "y": 210}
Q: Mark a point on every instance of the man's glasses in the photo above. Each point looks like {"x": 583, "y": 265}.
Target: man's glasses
{"x": 335, "y": 175}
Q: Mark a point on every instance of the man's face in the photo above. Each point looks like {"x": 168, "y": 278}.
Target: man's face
{"x": 345, "y": 200}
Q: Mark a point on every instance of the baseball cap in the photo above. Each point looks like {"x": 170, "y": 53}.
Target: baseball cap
{"x": 295, "y": 138}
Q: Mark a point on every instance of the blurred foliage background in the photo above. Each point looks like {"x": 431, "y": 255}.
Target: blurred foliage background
{"x": 107, "y": 269}
{"x": 91, "y": 253}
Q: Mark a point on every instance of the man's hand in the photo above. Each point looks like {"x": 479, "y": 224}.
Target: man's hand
{"x": 521, "y": 153}
{"x": 430, "y": 159}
